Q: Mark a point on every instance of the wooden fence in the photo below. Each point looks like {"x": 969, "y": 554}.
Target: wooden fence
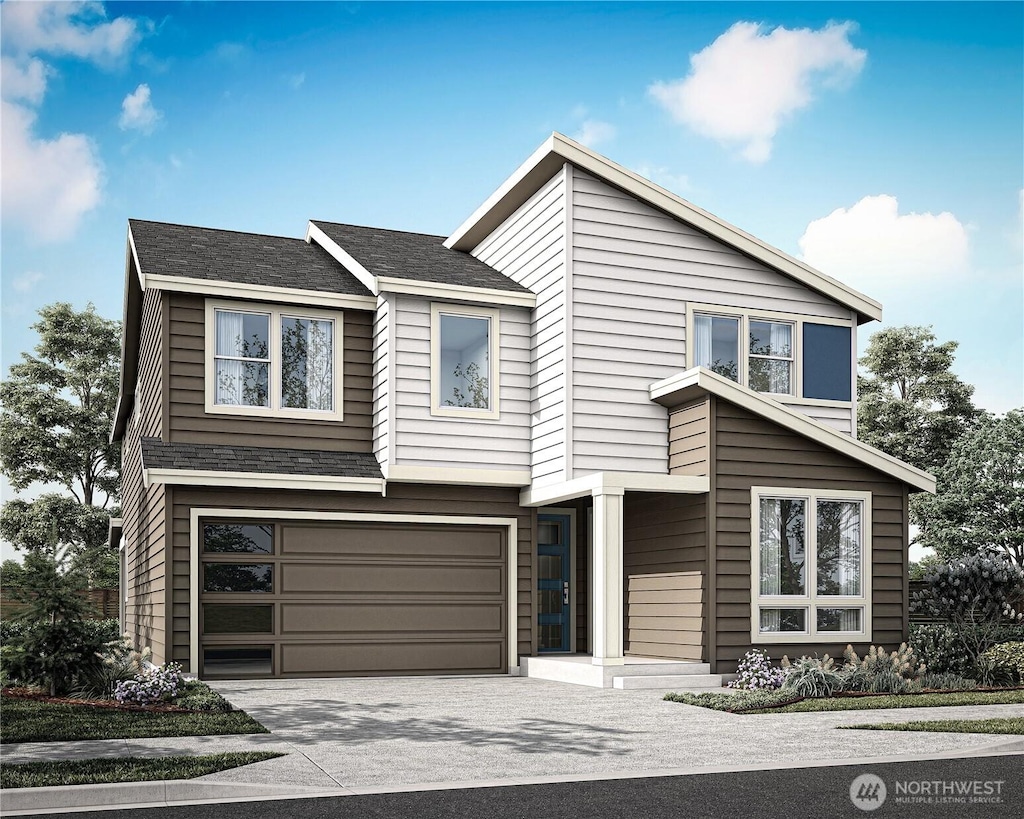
{"x": 102, "y": 603}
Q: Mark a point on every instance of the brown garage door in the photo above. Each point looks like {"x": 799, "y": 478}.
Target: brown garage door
{"x": 295, "y": 599}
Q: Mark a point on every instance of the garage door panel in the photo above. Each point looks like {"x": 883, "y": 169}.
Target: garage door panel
{"x": 333, "y": 578}
{"x": 411, "y": 541}
{"x": 301, "y": 659}
{"x": 312, "y": 618}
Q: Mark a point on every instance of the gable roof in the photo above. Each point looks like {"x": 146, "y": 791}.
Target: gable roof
{"x": 678, "y": 388}
{"x": 210, "y": 254}
{"x": 422, "y": 257}
{"x": 559, "y": 149}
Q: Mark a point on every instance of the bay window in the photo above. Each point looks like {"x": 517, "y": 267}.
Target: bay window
{"x": 810, "y": 558}
{"x": 273, "y": 361}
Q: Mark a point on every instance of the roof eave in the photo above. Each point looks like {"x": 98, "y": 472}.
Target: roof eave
{"x": 558, "y": 149}
{"x": 680, "y": 387}
{"x": 131, "y": 326}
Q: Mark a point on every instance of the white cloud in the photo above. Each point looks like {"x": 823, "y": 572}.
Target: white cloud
{"x": 137, "y": 111}
{"x": 743, "y": 86}
{"x": 23, "y": 79}
{"x": 48, "y": 184}
{"x": 871, "y": 243}
{"x": 296, "y": 81}
{"x": 78, "y": 29}
{"x": 26, "y": 282}
{"x": 593, "y": 132}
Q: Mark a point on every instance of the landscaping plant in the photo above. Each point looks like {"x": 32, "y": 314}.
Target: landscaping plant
{"x": 1010, "y": 656}
{"x": 755, "y": 672}
{"x": 811, "y": 677}
{"x": 883, "y": 673}
{"x": 157, "y": 684}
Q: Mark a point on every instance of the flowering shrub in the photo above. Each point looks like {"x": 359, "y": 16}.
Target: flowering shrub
{"x": 152, "y": 685}
{"x": 755, "y": 672}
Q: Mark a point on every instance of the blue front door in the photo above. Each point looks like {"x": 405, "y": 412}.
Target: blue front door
{"x": 553, "y": 582}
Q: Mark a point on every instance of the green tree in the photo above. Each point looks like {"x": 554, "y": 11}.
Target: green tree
{"x": 58, "y": 410}
{"x": 910, "y": 403}
{"x": 979, "y": 500}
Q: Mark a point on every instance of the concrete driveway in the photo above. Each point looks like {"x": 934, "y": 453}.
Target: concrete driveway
{"x": 368, "y": 734}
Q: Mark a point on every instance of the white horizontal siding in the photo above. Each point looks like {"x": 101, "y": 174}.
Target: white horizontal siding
{"x": 529, "y": 248}
{"x": 381, "y": 362}
{"x": 634, "y": 271}
{"x": 422, "y": 439}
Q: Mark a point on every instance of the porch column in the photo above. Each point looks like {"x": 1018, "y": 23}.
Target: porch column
{"x": 608, "y": 587}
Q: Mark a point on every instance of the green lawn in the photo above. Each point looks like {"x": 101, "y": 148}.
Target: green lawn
{"x": 748, "y": 704}
{"x": 996, "y": 725}
{"x": 27, "y": 720}
{"x": 92, "y": 771}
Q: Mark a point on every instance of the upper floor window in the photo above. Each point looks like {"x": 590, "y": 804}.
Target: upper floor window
{"x": 772, "y": 353}
{"x": 768, "y": 351}
{"x": 273, "y": 361}
{"x": 463, "y": 361}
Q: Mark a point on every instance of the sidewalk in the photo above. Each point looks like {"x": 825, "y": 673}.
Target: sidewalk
{"x": 374, "y": 736}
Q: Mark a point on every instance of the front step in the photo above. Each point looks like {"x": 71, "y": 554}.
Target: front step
{"x": 580, "y": 670}
{"x": 671, "y": 682}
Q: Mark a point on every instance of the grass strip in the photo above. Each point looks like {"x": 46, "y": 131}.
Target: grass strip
{"x": 762, "y": 702}
{"x": 95, "y": 771}
{"x": 27, "y": 720}
{"x": 996, "y": 725}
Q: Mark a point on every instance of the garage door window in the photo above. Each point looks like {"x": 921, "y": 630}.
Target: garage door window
{"x": 249, "y": 538}
{"x": 237, "y": 662}
{"x": 229, "y": 619}
{"x": 238, "y": 577}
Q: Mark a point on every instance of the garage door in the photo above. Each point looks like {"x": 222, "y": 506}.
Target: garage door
{"x": 297, "y": 599}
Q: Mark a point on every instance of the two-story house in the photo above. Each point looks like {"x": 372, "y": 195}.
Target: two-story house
{"x": 596, "y": 424}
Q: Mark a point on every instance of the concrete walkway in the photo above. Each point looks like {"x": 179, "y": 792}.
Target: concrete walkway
{"x": 372, "y": 735}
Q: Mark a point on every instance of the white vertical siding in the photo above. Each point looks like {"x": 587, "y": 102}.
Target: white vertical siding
{"x": 381, "y": 372}
{"x": 530, "y": 248}
{"x": 634, "y": 270}
{"x": 422, "y": 439}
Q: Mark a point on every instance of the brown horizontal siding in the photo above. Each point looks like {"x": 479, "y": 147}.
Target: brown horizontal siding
{"x": 188, "y": 421}
{"x": 752, "y": 451}
{"x": 688, "y": 438}
{"x": 401, "y": 499}
{"x": 663, "y": 534}
{"x": 665, "y": 615}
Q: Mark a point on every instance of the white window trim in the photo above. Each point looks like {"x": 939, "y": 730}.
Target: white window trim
{"x": 492, "y": 413}
{"x": 746, "y": 316}
{"x": 811, "y": 600}
{"x": 276, "y": 313}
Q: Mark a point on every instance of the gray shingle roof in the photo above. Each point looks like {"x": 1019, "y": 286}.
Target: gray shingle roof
{"x": 240, "y": 258}
{"x": 415, "y": 256}
{"x": 157, "y": 454}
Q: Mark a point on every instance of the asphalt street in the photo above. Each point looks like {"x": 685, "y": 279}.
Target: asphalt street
{"x": 912, "y": 789}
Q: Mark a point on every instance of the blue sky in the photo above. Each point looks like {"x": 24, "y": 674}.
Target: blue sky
{"x": 883, "y": 142}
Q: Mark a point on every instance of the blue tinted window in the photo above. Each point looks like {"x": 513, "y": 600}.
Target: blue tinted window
{"x": 827, "y": 362}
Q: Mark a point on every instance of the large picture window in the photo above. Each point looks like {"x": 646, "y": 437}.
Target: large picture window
{"x": 273, "y": 361}
{"x": 464, "y": 361}
{"x": 810, "y": 557}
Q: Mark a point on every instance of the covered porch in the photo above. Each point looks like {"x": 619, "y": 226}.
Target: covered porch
{"x": 621, "y": 592}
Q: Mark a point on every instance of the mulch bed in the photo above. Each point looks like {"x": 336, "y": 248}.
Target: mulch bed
{"x": 31, "y": 694}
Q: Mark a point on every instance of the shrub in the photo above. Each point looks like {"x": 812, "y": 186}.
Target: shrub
{"x": 946, "y": 681}
{"x": 940, "y": 649}
{"x": 883, "y": 673}
{"x": 119, "y": 662}
{"x": 158, "y": 684}
{"x": 743, "y": 701}
{"x": 811, "y": 677}
{"x": 755, "y": 672}
{"x": 975, "y": 596}
{"x": 197, "y": 696}
{"x": 1009, "y": 656}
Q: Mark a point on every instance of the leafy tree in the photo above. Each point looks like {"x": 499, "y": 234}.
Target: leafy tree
{"x": 11, "y": 574}
{"x": 58, "y": 410}
{"x": 979, "y": 501}
{"x": 910, "y": 404}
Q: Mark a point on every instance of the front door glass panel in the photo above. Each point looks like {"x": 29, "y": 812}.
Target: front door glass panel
{"x": 553, "y": 590}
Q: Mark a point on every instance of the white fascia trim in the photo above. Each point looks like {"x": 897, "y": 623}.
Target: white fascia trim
{"x": 615, "y": 483}
{"x": 795, "y": 421}
{"x": 401, "y": 473}
{"x": 342, "y": 256}
{"x": 436, "y": 290}
{"x": 664, "y": 200}
{"x": 511, "y": 524}
{"x": 259, "y": 292}
{"x": 260, "y": 480}
{"x": 135, "y": 256}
